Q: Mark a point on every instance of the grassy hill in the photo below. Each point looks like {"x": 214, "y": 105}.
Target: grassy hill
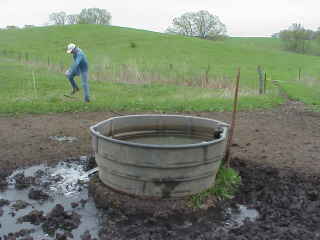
{"x": 173, "y": 73}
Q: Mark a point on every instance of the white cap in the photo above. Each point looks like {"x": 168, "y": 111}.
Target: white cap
{"x": 71, "y": 46}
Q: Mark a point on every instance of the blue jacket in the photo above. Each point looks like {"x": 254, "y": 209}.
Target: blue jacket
{"x": 80, "y": 62}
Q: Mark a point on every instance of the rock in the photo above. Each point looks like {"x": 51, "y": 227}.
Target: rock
{"x": 22, "y": 182}
{"x": 22, "y": 233}
{"x": 34, "y": 217}
{"x": 63, "y": 236}
{"x": 83, "y": 202}
{"x": 74, "y": 204}
{"x": 90, "y": 163}
{"x": 37, "y": 194}
{"x": 86, "y": 236}
{"x": 4, "y": 202}
{"x": 4, "y": 173}
{"x": 3, "y": 185}
{"x": 1, "y": 212}
{"x": 39, "y": 173}
{"x": 20, "y": 205}
{"x": 58, "y": 218}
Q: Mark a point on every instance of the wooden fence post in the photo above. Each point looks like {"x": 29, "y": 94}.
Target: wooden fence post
{"x": 261, "y": 82}
{"x": 265, "y": 83}
{"x": 300, "y": 73}
{"x": 207, "y": 76}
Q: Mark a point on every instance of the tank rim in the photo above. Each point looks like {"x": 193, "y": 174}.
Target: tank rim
{"x": 220, "y": 124}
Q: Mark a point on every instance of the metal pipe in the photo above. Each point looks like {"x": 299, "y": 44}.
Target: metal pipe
{"x": 233, "y": 122}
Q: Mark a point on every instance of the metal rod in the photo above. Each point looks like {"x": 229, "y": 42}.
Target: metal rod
{"x": 233, "y": 122}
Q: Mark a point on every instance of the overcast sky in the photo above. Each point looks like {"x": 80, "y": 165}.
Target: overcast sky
{"x": 242, "y": 17}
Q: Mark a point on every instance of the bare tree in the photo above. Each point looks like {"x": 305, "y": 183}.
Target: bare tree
{"x": 198, "y": 24}
{"x": 73, "y": 19}
{"x": 296, "y": 38}
{"x": 12, "y": 27}
{"x": 58, "y": 18}
{"x": 95, "y": 16}
{"x": 28, "y": 26}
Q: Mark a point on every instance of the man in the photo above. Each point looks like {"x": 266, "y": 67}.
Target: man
{"x": 79, "y": 67}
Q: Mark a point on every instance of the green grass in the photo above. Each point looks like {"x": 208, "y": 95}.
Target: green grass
{"x": 38, "y": 90}
{"x": 226, "y": 185}
{"x": 162, "y": 65}
{"x": 109, "y": 47}
{"x": 304, "y": 91}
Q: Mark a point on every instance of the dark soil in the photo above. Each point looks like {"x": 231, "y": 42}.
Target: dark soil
{"x": 285, "y": 137}
{"x": 288, "y": 204}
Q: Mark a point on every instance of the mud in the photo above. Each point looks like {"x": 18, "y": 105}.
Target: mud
{"x": 271, "y": 204}
{"x": 49, "y": 203}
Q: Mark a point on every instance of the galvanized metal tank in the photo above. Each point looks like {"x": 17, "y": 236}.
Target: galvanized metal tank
{"x": 165, "y": 170}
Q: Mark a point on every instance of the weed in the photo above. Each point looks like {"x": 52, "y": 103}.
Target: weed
{"x": 226, "y": 185}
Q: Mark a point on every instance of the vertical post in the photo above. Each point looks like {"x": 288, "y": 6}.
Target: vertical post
{"x": 34, "y": 85}
{"x": 207, "y": 76}
{"x": 48, "y": 61}
{"x": 300, "y": 73}
{"x": 233, "y": 122}
{"x": 27, "y": 57}
{"x": 261, "y": 84}
{"x": 265, "y": 83}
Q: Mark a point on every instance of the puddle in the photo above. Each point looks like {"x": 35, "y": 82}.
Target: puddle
{"x": 237, "y": 216}
{"x": 65, "y": 184}
{"x": 63, "y": 138}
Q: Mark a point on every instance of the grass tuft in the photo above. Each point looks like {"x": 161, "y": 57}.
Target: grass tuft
{"x": 226, "y": 185}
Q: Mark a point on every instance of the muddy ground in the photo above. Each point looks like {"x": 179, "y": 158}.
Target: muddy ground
{"x": 276, "y": 152}
{"x": 285, "y": 137}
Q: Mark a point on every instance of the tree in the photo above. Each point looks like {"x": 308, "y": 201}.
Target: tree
{"x": 200, "y": 24}
{"x": 58, "y": 18}
{"x": 28, "y": 26}
{"x": 12, "y": 27}
{"x": 94, "y": 16}
{"x": 296, "y": 38}
{"x": 73, "y": 19}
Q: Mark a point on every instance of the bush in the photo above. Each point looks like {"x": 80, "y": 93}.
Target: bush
{"x": 133, "y": 45}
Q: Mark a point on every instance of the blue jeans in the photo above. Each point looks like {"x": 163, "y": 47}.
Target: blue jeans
{"x": 84, "y": 81}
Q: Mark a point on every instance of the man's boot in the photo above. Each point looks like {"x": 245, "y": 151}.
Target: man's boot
{"x": 74, "y": 90}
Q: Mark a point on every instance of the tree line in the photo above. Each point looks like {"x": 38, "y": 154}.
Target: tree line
{"x": 299, "y": 39}
{"x": 200, "y": 24}
{"x": 86, "y": 16}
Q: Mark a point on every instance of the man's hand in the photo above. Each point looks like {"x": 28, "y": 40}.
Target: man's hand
{"x": 67, "y": 73}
